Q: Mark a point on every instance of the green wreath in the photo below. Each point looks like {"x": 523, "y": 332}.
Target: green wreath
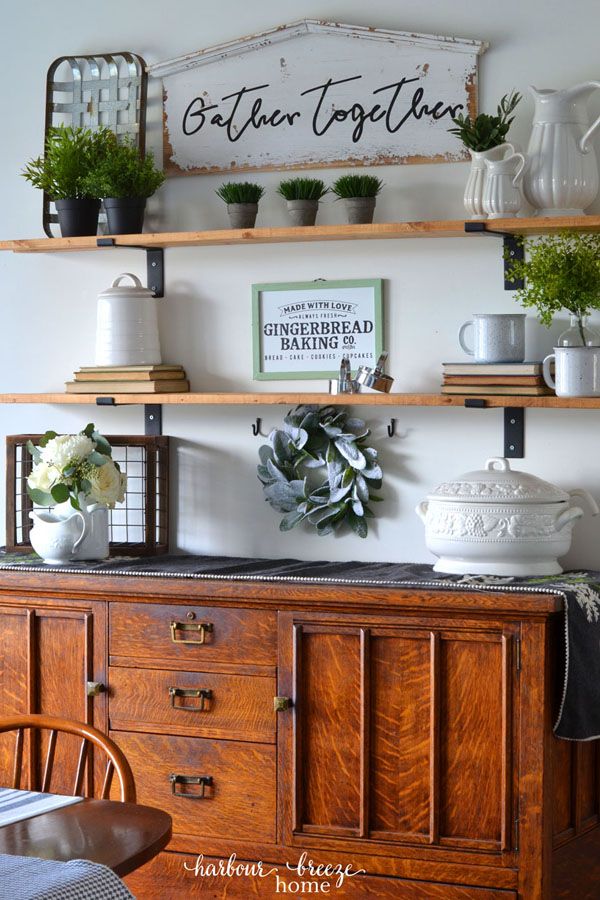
{"x": 314, "y": 437}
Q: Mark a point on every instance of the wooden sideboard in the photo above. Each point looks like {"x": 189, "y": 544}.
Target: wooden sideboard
{"x": 406, "y": 733}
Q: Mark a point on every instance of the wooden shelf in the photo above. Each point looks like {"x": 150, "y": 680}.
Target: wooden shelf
{"x": 320, "y": 399}
{"x": 384, "y": 231}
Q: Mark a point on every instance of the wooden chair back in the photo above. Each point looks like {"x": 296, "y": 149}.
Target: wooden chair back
{"x": 116, "y": 761}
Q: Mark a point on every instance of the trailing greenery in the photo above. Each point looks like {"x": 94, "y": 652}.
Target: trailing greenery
{"x": 240, "y": 192}
{"x": 123, "y": 172}
{"x": 314, "y": 437}
{"x": 302, "y": 189}
{"x": 348, "y": 186}
{"x": 561, "y": 271}
{"x": 70, "y": 155}
{"x": 484, "y": 131}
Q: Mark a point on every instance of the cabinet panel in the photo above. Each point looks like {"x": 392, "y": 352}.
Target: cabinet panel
{"x": 397, "y": 733}
{"x": 15, "y": 626}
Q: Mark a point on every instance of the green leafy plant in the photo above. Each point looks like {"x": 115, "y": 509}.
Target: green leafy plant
{"x": 75, "y": 467}
{"x": 122, "y": 172}
{"x": 302, "y": 189}
{"x": 240, "y": 192}
{"x": 313, "y": 438}
{"x": 561, "y": 271}
{"x": 485, "y": 131}
{"x": 348, "y": 186}
{"x": 70, "y": 154}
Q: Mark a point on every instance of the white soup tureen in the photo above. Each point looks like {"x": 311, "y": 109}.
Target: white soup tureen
{"x": 496, "y": 521}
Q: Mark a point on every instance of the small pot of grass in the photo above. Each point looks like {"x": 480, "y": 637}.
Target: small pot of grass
{"x": 359, "y": 193}
{"x": 242, "y": 202}
{"x": 302, "y": 196}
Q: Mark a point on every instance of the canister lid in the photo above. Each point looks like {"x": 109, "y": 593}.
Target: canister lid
{"x": 127, "y": 290}
{"x": 498, "y": 483}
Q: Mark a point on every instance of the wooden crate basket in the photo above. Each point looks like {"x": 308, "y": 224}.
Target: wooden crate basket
{"x": 137, "y": 527}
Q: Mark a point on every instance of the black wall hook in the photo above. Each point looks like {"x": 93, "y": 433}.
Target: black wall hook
{"x": 257, "y": 429}
{"x": 391, "y": 429}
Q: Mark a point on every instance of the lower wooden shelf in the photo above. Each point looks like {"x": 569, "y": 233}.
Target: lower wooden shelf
{"x": 294, "y": 398}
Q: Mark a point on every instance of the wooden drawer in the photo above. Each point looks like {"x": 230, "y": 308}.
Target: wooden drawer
{"x": 238, "y": 707}
{"x": 165, "y": 876}
{"x": 241, "y": 800}
{"x": 173, "y": 633}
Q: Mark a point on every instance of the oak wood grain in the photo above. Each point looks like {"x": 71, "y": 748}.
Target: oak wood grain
{"x": 240, "y": 707}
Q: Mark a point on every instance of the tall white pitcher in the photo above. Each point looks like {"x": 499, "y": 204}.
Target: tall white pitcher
{"x": 562, "y": 172}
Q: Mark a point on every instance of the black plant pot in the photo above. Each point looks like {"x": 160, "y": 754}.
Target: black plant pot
{"x": 78, "y": 217}
{"x": 125, "y": 215}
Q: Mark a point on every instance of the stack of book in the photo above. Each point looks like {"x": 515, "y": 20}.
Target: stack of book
{"x": 524, "y": 379}
{"x": 159, "y": 379}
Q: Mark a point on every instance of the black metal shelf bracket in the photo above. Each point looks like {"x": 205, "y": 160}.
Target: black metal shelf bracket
{"x": 514, "y": 426}
{"x": 155, "y": 263}
{"x": 152, "y": 415}
{"x": 512, "y": 246}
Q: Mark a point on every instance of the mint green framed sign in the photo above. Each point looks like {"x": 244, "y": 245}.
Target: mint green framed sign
{"x": 303, "y": 329}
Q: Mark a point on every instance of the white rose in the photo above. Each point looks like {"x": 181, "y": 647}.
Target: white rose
{"x": 67, "y": 449}
{"x": 108, "y": 484}
{"x": 43, "y": 477}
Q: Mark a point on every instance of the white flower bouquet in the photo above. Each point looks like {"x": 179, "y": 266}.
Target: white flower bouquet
{"x": 75, "y": 467}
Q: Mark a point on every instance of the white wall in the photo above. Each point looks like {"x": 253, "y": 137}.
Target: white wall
{"x": 47, "y": 303}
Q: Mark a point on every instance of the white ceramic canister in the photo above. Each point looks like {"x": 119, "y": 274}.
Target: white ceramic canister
{"x": 577, "y": 371}
{"x": 127, "y": 325}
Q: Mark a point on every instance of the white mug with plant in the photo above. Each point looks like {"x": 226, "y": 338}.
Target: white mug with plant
{"x": 359, "y": 193}
{"x": 73, "y": 483}
{"x": 562, "y": 272}
{"x": 242, "y": 199}
{"x": 302, "y": 196}
{"x": 484, "y": 136}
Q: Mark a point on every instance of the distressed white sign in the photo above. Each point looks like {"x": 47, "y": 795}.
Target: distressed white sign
{"x": 317, "y": 94}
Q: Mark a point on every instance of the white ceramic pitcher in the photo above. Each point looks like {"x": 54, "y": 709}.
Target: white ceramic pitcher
{"x": 501, "y": 195}
{"x": 562, "y": 173}
{"x": 475, "y": 187}
{"x": 57, "y": 538}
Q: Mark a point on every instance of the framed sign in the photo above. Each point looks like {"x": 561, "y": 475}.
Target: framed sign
{"x": 304, "y": 329}
{"x": 315, "y": 94}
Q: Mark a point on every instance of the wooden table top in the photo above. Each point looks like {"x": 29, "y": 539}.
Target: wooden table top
{"x": 122, "y": 836}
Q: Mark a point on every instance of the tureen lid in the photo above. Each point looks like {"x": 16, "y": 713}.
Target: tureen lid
{"x": 498, "y": 483}
{"x": 127, "y": 290}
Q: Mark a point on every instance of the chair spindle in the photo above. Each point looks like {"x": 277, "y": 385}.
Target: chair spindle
{"x": 49, "y": 761}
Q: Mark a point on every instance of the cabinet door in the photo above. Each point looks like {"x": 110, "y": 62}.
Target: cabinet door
{"x": 48, "y": 654}
{"x": 397, "y": 733}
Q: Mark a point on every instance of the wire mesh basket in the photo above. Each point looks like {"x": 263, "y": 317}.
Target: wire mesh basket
{"x": 137, "y": 527}
{"x": 104, "y": 90}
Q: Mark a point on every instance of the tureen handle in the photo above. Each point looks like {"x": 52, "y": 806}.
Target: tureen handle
{"x": 421, "y": 509}
{"x": 569, "y": 515}
{"x": 497, "y": 462}
{"x": 123, "y": 275}
{"x": 580, "y": 492}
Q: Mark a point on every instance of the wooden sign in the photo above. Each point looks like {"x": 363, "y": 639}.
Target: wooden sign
{"x": 316, "y": 94}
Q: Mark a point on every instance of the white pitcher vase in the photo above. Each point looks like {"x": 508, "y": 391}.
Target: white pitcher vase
{"x": 57, "y": 538}
{"x": 474, "y": 190}
{"x": 562, "y": 172}
{"x": 501, "y": 195}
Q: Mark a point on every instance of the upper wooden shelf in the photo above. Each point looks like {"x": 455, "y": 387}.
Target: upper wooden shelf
{"x": 383, "y": 231}
{"x": 319, "y": 399}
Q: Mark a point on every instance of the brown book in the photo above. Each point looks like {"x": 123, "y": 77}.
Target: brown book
{"x": 525, "y": 368}
{"x": 122, "y": 375}
{"x": 470, "y": 389}
{"x": 507, "y": 380}
{"x": 175, "y": 386}
{"x": 140, "y": 367}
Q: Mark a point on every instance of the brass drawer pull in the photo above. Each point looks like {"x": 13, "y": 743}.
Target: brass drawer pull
{"x": 200, "y": 628}
{"x": 280, "y": 704}
{"x": 203, "y": 780}
{"x": 202, "y": 694}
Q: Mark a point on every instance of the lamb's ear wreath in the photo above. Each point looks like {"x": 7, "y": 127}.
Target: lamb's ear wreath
{"x": 314, "y": 438}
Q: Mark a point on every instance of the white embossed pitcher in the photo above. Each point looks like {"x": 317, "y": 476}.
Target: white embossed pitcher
{"x": 562, "y": 172}
{"x": 501, "y": 195}
{"x": 57, "y": 538}
{"x": 475, "y": 187}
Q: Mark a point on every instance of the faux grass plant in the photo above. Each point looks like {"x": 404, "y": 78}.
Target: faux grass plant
{"x": 240, "y": 192}
{"x": 302, "y": 189}
{"x": 348, "y": 186}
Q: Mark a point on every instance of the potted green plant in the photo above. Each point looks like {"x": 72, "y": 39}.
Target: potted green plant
{"x": 359, "y": 193}
{"x": 124, "y": 179}
{"x": 302, "y": 196}
{"x": 562, "y": 272}
{"x": 70, "y": 154}
{"x": 484, "y": 136}
{"x": 242, "y": 199}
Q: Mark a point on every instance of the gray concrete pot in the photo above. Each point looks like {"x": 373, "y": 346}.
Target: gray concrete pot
{"x": 303, "y": 212}
{"x": 360, "y": 210}
{"x": 242, "y": 215}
